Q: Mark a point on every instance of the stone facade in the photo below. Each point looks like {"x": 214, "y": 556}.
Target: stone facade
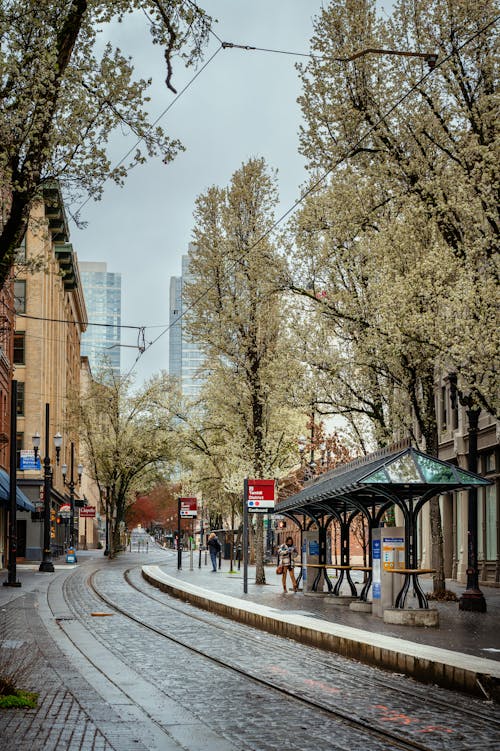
{"x": 47, "y": 357}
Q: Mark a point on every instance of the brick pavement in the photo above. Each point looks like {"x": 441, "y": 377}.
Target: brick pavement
{"x": 69, "y": 714}
{"x": 72, "y": 713}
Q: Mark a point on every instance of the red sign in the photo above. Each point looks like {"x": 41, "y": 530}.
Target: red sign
{"x": 87, "y": 512}
{"x": 189, "y": 507}
{"x": 261, "y": 495}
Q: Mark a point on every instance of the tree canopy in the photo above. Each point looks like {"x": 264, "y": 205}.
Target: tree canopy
{"x": 63, "y": 94}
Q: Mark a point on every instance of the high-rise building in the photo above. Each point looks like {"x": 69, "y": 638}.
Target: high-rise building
{"x": 185, "y": 356}
{"x": 102, "y": 289}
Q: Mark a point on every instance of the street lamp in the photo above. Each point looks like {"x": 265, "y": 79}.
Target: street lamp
{"x": 46, "y": 564}
{"x": 71, "y": 486}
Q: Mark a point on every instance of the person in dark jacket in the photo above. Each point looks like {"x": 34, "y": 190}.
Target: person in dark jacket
{"x": 213, "y": 549}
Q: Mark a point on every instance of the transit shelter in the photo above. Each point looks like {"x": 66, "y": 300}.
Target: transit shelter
{"x": 400, "y": 475}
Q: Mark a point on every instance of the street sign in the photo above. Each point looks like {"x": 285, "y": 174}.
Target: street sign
{"x": 27, "y": 460}
{"x": 260, "y": 496}
{"x": 188, "y": 508}
{"x": 87, "y": 512}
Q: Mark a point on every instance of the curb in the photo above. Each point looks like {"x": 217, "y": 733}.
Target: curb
{"x": 427, "y": 664}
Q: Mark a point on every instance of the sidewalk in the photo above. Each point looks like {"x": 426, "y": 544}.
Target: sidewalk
{"x": 30, "y": 577}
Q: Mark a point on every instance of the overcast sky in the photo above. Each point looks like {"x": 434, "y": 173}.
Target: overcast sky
{"x": 242, "y": 105}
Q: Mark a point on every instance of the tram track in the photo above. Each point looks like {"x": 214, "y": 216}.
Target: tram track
{"x": 386, "y": 736}
{"x": 416, "y": 690}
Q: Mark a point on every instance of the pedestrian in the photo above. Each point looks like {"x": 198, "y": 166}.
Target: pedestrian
{"x": 214, "y": 549}
{"x": 287, "y": 553}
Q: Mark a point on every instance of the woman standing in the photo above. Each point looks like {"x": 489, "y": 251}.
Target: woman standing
{"x": 287, "y": 553}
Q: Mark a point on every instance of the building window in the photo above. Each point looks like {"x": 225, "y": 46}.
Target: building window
{"x": 19, "y": 348}
{"x": 444, "y": 408}
{"x": 19, "y": 447}
{"x": 21, "y": 251}
{"x": 20, "y": 399}
{"x": 20, "y": 296}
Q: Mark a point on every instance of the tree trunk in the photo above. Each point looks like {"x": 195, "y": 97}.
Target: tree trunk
{"x": 430, "y": 432}
{"x": 260, "y": 575}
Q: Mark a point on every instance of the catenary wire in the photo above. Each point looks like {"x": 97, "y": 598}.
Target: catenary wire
{"x": 321, "y": 179}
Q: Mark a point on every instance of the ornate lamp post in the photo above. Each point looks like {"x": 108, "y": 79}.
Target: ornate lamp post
{"x": 71, "y": 486}
{"x": 46, "y": 564}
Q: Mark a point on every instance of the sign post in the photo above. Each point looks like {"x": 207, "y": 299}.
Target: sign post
{"x": 187, "y": 508}
{"x": 245, "y": 535}
{"x": 258, "y": 497}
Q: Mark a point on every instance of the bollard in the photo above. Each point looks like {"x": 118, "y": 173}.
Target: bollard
{"x": 205, "y": 556}
{"x": 190, "y": 555}
{"x": 199, "y": 558}
{"x": 239, "y": 557}
{"x": 220, "y": 558}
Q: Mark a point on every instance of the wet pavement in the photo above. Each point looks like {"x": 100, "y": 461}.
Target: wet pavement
{"x": 461, "y": 631}
{"x": 110, "y": 684}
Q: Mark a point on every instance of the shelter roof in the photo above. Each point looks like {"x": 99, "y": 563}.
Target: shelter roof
{"x": 399, "y": 473}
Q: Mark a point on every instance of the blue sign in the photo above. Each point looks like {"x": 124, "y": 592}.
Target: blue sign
{"x": 376, "y": 590}
{"x": 376, "y": 549}
{"x": 313, "y": 547}
{"x": 27, "y": 460}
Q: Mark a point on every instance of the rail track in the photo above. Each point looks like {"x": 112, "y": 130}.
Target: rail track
{"x": 395, "y": 734}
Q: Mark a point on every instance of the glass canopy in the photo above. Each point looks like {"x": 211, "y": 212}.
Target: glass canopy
{"x": 415, "y": 468}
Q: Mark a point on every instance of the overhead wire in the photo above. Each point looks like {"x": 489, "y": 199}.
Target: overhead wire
{"x": 316, "y": 184}
{"x": 156, "y": 121}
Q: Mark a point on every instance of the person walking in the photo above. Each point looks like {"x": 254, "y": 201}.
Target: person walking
{"x": 214, "y": 549}
{"x": 287, "y": 553}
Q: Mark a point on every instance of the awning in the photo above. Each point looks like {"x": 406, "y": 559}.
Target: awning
{"x": 22, "y": 502}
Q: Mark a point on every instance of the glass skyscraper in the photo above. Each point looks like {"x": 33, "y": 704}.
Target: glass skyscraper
{"x": 103, "y": 298}
{"x": 186, "y": 359}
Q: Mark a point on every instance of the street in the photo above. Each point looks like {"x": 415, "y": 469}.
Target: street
{"x": 141, "y": 670}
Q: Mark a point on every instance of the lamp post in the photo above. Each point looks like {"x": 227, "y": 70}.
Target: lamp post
{"x": 46, "y": 564}
{"x": 12, "y": 566}
{"x": 472, "y": 599}
{"x": 71, "y": 486}
{"x": 201, "y": 535}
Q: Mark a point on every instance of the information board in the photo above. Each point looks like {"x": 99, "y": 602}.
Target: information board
{"x": 261, "y": 495}
{"x": 188, "y": 508}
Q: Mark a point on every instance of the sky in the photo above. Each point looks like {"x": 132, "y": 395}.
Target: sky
{"x": 242, "y": 105}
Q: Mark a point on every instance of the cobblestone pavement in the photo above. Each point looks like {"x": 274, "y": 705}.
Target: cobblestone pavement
{"x": 70, "y": 715}
{"x": 251, "y": 716}
{"x": 120, "y": 686}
